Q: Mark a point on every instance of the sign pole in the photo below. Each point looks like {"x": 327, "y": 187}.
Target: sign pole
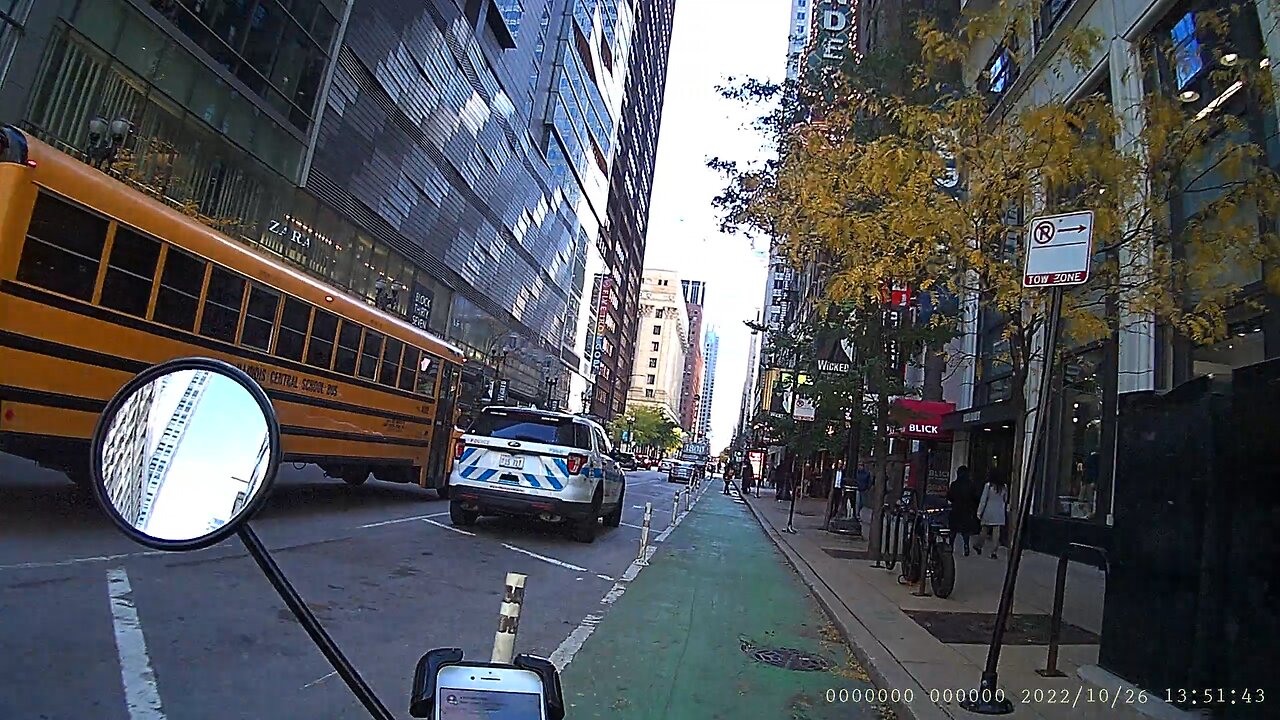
{"x": 990, "y": 700}
{"x": 792, "y": 485}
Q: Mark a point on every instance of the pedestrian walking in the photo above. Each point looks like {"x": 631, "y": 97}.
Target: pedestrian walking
{"x": 748, "y": 477}
{"x": 993, "y": 511}
{"x": 963, "y": 496}
{"x": 862, "y": 482}
{"x": 728, "y": 476}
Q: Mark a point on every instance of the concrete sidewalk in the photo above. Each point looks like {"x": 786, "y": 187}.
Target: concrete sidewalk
{"x": 937, "y": 647}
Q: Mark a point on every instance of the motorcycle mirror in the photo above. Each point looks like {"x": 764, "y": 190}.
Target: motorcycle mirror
{"x": 185, "y": 453}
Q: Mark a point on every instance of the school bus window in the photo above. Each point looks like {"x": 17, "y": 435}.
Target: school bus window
{"x": 131, "y": 271}
{"x": 370, "y": 354}
{"x": 348, "y": 348}
{"x": 292, "y": 337}
{"x": 391, "y": 362}
{"x": 222, "y": 305}
{"x": 408, "y": 367}
{"x": 428, "y": 367}
{"x": 63, "y": 248}
{"x": 260, "y": 318}
{"x": 179, "y": 295}
{"x": 323, "y": 330}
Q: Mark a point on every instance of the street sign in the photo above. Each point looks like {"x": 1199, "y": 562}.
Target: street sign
{"x": 1059, "y": 248}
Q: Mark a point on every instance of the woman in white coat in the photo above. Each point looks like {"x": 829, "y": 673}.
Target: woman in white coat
{"x": 992, "y": 511}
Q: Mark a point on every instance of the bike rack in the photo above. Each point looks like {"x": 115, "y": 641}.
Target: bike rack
{"x": 1059, "y": 590}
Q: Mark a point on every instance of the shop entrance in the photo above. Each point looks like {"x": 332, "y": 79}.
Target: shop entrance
{"x": 991, "y": 451}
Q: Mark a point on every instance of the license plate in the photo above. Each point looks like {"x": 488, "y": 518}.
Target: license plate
{"x": 511, "y": 461}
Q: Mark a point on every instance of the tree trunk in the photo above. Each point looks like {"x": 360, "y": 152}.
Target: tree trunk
{"x": 1018, "y": 480}
{"x": 881, "y": 454}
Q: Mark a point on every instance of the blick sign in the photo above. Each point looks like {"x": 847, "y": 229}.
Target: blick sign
{"x": 1059, "y": 249}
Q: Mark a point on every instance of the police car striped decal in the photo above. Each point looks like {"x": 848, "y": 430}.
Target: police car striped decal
{"x": 555, "y": 471}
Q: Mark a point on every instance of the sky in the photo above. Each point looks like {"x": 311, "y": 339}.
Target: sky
{"x": 712, "y": 41}
{"x": 221, "y": 443}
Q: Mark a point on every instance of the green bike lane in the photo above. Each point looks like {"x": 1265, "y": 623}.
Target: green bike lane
{"x": 681, "y": 641}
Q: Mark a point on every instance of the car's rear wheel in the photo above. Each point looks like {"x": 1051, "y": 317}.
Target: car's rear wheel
{"x": 584, "y": 529}
{"x": 614, "y": 518}
{"x": 460, "y": 516}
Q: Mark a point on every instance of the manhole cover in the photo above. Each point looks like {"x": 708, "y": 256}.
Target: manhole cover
{"x": 786, "y": 658}
{"x": 963, "y": 628}
{"x": 844, "y": 554}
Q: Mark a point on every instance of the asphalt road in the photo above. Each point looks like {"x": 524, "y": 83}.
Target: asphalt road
{"x": 379, "y": 564}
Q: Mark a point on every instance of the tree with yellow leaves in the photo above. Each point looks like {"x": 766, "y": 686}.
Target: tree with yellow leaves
{"x": 926, "y": 183}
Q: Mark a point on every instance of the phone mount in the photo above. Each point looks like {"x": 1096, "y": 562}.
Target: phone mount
{"x": 423, "y": 699}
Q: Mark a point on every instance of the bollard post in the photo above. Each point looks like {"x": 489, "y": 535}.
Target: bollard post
{"x": 1055, "y": 620}
{"x": 504, "y": 641}
{"x": 675, "y": 509}
{"x": 644, "y": 534}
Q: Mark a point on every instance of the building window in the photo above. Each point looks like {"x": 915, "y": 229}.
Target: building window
{"x": 660, "y": 313}
{"x": 1187, "y": 60}
{"x": 657, "y": 329}
{"x": 512, "y": 11}
{"x": 1000, "y": 73}
{"x": 655, "y": 347}
{"x": 1051, "y": 11}
{"x": 648, "y": 393}
{"x": 653, "y": 362}
{"x": 12, "y": 15}
{"x": 651, "y": 379}
{"x": 1080, "y": 453}
{"x": 1243, "y": 346}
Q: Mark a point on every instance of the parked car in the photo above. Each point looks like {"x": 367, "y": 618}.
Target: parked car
{"x": 626, "y": 460}
{"x": 664, "y": 465}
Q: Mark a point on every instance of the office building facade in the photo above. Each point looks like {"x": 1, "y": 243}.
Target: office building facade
{"x": 711, "y": 353}
{"x": 695, "y": 293}
{"x": 448, "y": 161}
{"x": 661, "y": 346}
{"x": 630, "y": 188}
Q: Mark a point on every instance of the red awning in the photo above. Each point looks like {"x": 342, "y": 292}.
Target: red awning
{"x": 920, "y": 419}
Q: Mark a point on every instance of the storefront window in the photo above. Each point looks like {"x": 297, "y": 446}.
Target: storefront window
{"x": 1243, "y": 346}
{"x": 1079, "y": 448}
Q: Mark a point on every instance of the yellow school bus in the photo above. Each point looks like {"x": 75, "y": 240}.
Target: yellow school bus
{"x": 99, "y": 281}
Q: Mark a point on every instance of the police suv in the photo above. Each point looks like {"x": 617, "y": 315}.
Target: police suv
{"x": 550, "y": 465}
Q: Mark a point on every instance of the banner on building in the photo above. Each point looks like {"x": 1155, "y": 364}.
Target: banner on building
{"x": 603, "y": 304}
{"x": 420, "y": 307}
{"x": 835, "y": 35}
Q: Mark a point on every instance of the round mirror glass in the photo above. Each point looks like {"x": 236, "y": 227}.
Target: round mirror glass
{"x": 185, "y": 455}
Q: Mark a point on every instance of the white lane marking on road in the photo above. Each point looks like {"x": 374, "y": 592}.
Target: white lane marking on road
{"x": 570, "y": 646}
{"x": 450, "y": 527}
{"x": 80, "y": 561}
{"x": 638, "y": 527}
{"x": 320, "y": 679}
{"x": 602, "y": 576}
{"x": 401, "y": 520}
{"x": 544, "y": 558}
{"x": 142, "y": 697}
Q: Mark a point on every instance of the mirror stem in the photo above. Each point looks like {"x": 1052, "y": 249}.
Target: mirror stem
{"x": 312, "y": 625}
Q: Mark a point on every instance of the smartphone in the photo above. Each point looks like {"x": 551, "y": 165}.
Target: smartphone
{"x": 480, "y": 693}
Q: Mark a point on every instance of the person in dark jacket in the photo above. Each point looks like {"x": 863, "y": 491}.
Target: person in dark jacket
{"x": 748, "y": 477}
{"x": 963, "y": 497}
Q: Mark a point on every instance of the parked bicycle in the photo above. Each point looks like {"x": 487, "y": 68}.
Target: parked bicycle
{"x": 928, "y": 547}
{"x": 921, "y": 539}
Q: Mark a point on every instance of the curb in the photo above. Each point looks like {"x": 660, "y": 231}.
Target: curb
{"x": 885, "y": 670}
